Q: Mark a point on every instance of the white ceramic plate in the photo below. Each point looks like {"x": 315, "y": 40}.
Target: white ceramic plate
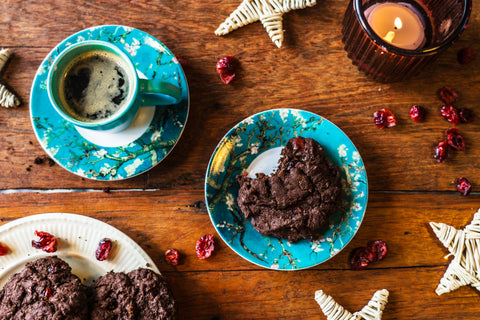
{"x": 78, "y": 239}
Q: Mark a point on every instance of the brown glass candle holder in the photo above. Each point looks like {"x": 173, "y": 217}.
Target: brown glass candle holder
{"x": 380, "y": 57}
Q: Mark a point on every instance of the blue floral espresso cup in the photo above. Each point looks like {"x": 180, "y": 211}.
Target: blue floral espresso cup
{"x": 95, "y": 85}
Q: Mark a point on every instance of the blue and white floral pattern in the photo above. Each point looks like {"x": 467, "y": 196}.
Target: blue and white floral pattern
{"x": 240, "y": 146}
{"x": 70, "y": 150}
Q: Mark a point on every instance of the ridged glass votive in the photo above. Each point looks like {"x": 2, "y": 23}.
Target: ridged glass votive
{"x": 394, "y": 40}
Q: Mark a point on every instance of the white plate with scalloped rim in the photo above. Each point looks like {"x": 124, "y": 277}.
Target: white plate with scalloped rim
{"x": 78, "y": 239}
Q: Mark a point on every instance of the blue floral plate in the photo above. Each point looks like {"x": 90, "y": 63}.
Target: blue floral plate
{"x": 254, "y": 145}
{"x": 150, "y": 138}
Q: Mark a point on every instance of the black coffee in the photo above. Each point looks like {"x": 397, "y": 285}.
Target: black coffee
{"x": 95, "y": 85}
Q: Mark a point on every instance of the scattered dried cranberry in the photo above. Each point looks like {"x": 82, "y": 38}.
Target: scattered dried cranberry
{"x": 441, "y": 151}
{"x": 466, "y": 55}
{"x": 103, "y": 250}
{"x": 47, "y": 242}
{"x": 47, "y": 293}
{"x": 359, "y": 258}
{"x": 447, "y": 95}
{"x": 417, "y": 113}
{"x": 226, "y": 68}
{"x": 378, "y": 247}
{"x": 3, "y": 249}
{"x": 466, "y": 115}
{"x": 298, "y": 144}
{"x": 464, "y": 186}
{"x": 455, "y": 139}
{"x": 384, "y": 118}
{"x": 205, "y": 246}
{"x": 450, "y": 114}
{"x": 183, "y": 62}
{"x": 172, "y": 256}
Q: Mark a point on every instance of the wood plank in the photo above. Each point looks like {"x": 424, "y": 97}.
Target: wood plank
{"x": 290, "y": 295}
{"x": 310, "y": 72}
{"x": 163, "y": 219}
{"x": 228, "y": 287}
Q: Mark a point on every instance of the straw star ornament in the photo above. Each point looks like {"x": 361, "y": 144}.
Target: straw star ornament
{"x": 464, "y": 244}
{"x": 372, "y": 311}
{"x": 7, "y": 98}
{"x": 269, "y": 12}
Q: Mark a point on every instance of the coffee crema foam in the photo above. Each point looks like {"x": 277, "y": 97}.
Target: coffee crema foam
{"x": 95, "y": 86}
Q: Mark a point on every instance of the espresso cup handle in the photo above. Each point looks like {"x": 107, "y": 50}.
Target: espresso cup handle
{"x": 159, "y": 93}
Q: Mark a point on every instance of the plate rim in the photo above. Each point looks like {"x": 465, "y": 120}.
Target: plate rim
{"x": 49, "y": 55}
{"x": 51, "y": 218}
{"x": 228, "y": 133}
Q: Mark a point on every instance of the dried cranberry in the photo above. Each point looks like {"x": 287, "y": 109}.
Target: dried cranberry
{"x": 298, "y": 144}
{"x": 450, "y": 114}
{"x": 226, "y": 67}
{"x": 47, "y": 293}
{"x": 370, "y": 255}
{"x": 464, "y": 186}
{"x": 455, "y": 139}
{"x": 417, "y": 113}
{"x": 384, "y": 118}
{"x": 172, "y": 256}
{"x": 359, "y": 258}
{"x": 441, "y": 151}
{"x": 3, "y": 249}
{"x": 183, "y": 62}
{"x": 466, "y": 115}
{"x": 47, "y": 242}
{"x": 379, "y": 248}
{"x": 205, "y": 246}
{"x": 103, "y": 249}
{"x": 465, "y": 55}
{"x": 448, "y": 95}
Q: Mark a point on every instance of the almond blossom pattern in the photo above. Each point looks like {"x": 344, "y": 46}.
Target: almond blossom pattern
{"x": 249, "y": 139}
{"x": 75, "y": 153}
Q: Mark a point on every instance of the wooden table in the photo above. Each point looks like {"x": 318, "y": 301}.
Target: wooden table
{"x": 165, "y": 207}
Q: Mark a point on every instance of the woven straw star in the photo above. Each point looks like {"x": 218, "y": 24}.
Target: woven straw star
{"x": 372, "y": 311}
{"x": 7, "y": 98}
{"x": 269, "y": 12}
{"x": 464, "y": 244}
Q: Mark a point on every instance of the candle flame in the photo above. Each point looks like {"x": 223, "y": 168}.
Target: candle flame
{"x": 398, "y": 23}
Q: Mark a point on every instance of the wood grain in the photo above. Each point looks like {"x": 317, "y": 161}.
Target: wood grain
{"x": 310, "y": 72}
{"x": 228, "y": 287}
{"x": 165, "y": 207}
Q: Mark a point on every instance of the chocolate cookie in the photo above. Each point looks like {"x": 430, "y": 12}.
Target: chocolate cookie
{"x": 44, "y": 289}
{"x": 297, "y": 200}
{"x": 139, "y": 294}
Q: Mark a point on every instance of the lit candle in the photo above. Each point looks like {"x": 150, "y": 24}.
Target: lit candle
{"x": 399, "y": 24}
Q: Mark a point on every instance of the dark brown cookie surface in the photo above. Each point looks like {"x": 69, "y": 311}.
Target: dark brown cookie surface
{"x": 44, "y": 289}
{"x": 139, "y": 294}
{"x": 297, "y": 200}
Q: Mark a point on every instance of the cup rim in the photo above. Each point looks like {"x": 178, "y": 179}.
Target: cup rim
{"x": 115, "y": 117}
{"x": 427, "y": 51}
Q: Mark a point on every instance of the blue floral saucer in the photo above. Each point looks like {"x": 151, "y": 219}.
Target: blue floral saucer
{"x": 132, "y": 152}
{"x": 259, "y": 136}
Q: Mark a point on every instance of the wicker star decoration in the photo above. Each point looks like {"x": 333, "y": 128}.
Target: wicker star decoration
{"x": 464, "y": 244}
{"x": 7, "y": 98}
{"x": 372, "y": 311}
{"x": 269, "y": 12}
